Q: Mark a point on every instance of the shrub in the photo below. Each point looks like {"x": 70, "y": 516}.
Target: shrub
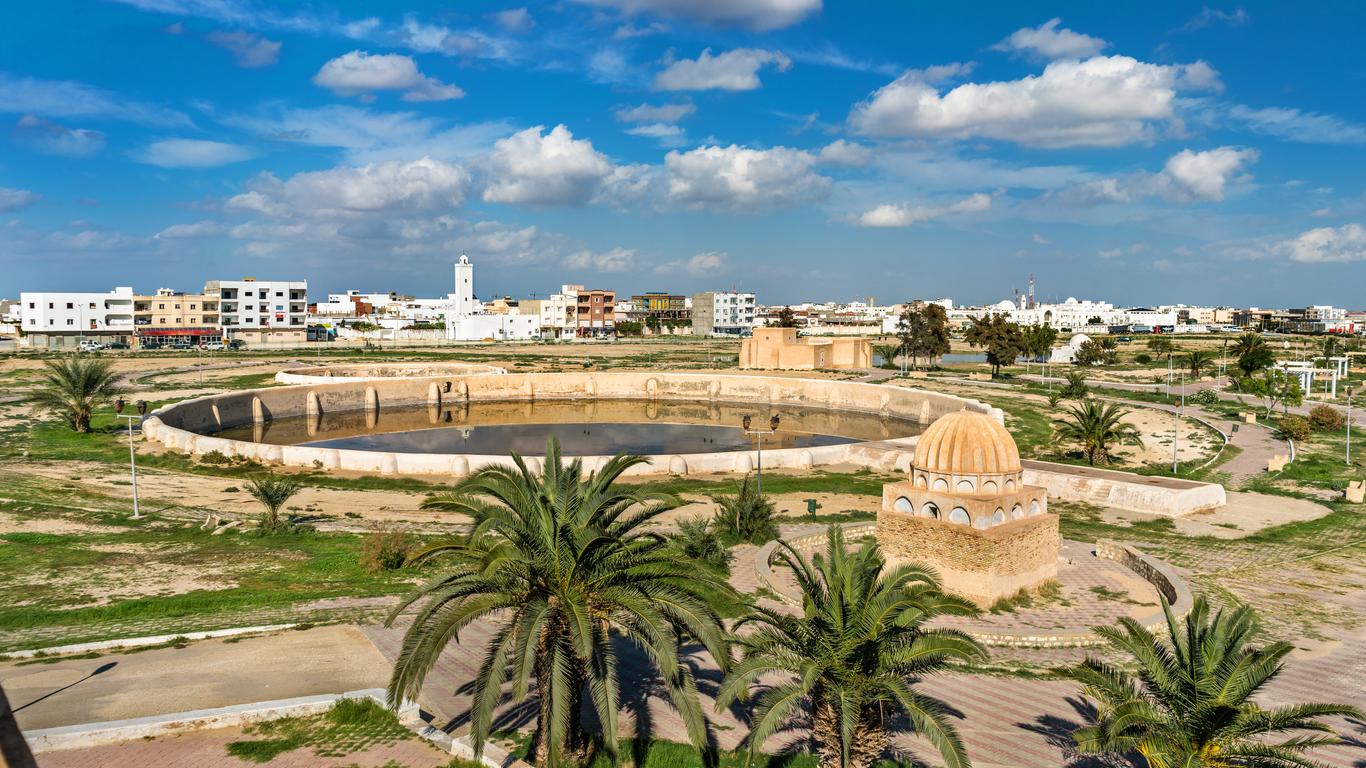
{"x": 746, "y": 516}
{"x": 214, "y": 457}
{"x": 1326, "y": 418}
{"x": 696, "y": 540}
{"x": 1295, "y": 427}
{"x": 385, "y": 549}
{"x": 1075, "y": 388}
{"x": 1143, "y": 358}
{"x": 1204, "y": 397}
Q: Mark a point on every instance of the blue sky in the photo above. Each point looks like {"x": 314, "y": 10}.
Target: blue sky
{"x": 1136, "y": 152}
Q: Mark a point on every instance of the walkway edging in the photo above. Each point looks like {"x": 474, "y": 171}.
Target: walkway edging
{"x": 137, "y": 642}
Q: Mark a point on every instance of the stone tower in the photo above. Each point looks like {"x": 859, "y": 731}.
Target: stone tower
{"x": 462, "y": 301}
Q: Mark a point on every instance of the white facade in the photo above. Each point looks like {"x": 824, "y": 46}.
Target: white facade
{"x": 723, "y": 312}
{"x": 462, "y": 301}
{"x": 466, "y": 320}
{"x": 47, "y": 318}
{"x": 252, "y": 304}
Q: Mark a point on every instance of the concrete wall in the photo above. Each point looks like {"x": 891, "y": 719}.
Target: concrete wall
{"x": 1124, "y": 490}
{"x": 189, "y": 425}
{"x": 781, "y": 348}
{"x": 372, "y": 371}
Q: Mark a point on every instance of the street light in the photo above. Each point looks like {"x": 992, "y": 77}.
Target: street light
{"x": 772, "y": 429}
{"x": 1349, "y": 425}
{"x": 132, "y": 456}
{"x": 1176, "y": 425}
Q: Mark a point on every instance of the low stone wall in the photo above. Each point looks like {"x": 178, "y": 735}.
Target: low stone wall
{"x": 190, "y": 425}
{"x": 323, "y": 374}
{"x": 1124, "y": 490}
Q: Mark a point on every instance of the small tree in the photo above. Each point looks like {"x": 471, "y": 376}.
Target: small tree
{"x": 1038, "y": 341}
{"x": 1197, "y": 361}
{"x": 273, "y": 491}
{"x": 1075, "y": 388}
{"x": 1326, "y": 418}
{"x": 888, "y": 353}
{"x": 1090, "y": 353}
{"x": 786, "y": 318}
{"x": 1161, "y": 346}
{"x": 1258, "y": 358}
{"x": 1276, "y": 387}
{"x": 1002, "y": 339}
{"x": 924, "y": 332}
{"x": 1096, "y": 427}
{"x": 74, "y": 387}
{"x": 746, "y": 516}
{"x": 1296, "y": 428}
{"x": 697, "y": 539}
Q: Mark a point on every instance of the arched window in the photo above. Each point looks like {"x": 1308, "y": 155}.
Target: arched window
{"x": 929, "y": 510}
{"x": 960, "y": 516}
{"x": 903, "y": 505}
{"x": 1016, "y": 512}
{"x": 999, "y": 517}
{"x": 940, "y": 484}
{"x": 921, "y": 482}
{"x": 989, "y": 486}
{"x": 1034, "y": 508}
{"x": 965, "y": 486}
{"x": 1010, "y": 484}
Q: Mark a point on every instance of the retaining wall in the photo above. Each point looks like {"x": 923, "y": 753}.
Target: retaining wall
{"x": 323, "y": 374}
{"x": 190, "y": 425}
{"x": 1124, "y": 490}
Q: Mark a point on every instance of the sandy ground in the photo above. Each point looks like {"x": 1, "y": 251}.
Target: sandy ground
{"x": 1245, "y": 514}
{"x": 202, "y": 675}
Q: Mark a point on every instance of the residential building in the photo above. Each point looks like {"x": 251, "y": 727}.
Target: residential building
{"x": 660, "y": 306}
{"x": 723, "y": 313}
{"x": 176, "y": 317}
{"x": 262, "y": 312}
{"x": 557, "y": 312}
{"x": 595, "y": 312}
{"x": 63, "y": 320}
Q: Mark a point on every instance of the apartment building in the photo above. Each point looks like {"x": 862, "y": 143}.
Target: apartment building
{"x": 723, "y": 313}
{"x": 62, "y": 320}
{"x": 595, "y": 312}
{"x": 654, "y": 309}
{"x": 174, "y": 317}
{"x": 262, "y": 312}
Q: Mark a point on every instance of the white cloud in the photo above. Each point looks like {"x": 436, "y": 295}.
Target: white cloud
{"x": 1325, "y": 245}
{"x": 369, "y": 136}
{"x": 1102, "y": 101}
{"x": 651, "y": 113}
{"x": 249, "y": 49}
{"x": 740, "y": 178}
{"x": 752, "y": 14}
{"x": 615, "y": 260}
{"x": 361, "y": 74}
{"x": 195, "y": 230}
{"x": 553, "y": 168}
{"x": 12, "y": 199}
{"x": 1295, "y": 125}
{"x": 192, "y": 153}
{"x": 667, "y": 135}
{"x": 1211, "y": 16}
{"x": 420, "y": 185}
{"x": 734, "y": 70}
{"x": 515, "y": 20}
{"x": 54, "y": 139}
{"x": 68, "y": 99}
{"x": 906, "y": 214}
{"x": 1188, "y": 176}
{"x": 631, "y": 31}
{"x": 847, "y": 153}
{"x": 471, "y": 43}
{"x": 1040, "y": 239}
{"x": 1051, "y": 42}
{"x": 699, "y": 265}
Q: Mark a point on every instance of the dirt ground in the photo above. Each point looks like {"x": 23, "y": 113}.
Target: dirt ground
{"x": 1244, "y": 515}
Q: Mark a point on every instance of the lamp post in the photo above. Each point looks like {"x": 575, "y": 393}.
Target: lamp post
{"x": 772, "y": 429}
{"x": 132, "y": 456}
{"x": 1349, "y": 425}
{"x": 1176, "y": 425}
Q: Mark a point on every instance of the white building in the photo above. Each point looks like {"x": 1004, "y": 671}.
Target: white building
{"x": 466, "y": 320}
{"x": 250, "y": 304}
{"x": 722, "y": 313}
{"x": 57, "y": 320}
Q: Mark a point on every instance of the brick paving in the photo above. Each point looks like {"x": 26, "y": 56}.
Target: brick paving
{"x": 208, "y": 749}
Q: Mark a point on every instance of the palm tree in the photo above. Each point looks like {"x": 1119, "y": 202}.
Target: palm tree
{"x": 849, "y": 662}
{"x": 1248, "y": 342}
{"x": 561, "y": 562}
{"x": 747, "y": 516}
{"x": 888, "y": 353}
{"x": 273, "y": 491}
{"x": 74, "y": 387}
{"x": 1197, "y": 361}
{"x": 1096, "y": 426}
{"x": 1190, "y": 702}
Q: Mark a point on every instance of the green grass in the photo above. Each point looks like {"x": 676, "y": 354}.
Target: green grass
{"x": 863, "y": 482}
{"x": 657, "y": 753}
{"x": 350, "y": 726}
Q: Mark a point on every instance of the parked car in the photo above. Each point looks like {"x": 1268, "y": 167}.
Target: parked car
{"x": 236, "y": 344}
{"x": 117, "y": 345}
{"x": 213, "y": 346}
{"x": 89, "y": 346}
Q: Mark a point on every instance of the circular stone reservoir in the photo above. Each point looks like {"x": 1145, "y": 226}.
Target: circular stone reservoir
{"x": 451, "y": 425}
{"x": 321, "y": 374}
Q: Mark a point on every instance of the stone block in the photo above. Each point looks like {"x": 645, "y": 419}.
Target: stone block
{"x": 1277, "y": 463}
{"x": 1248, "y": 417}
{"x": 1356, "y": 492}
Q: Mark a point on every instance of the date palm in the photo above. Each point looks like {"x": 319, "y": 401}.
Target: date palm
{"x": 1096, "y": 427}
{"x": 74, "y": 387}
{"x": 273, "y": 491}
{"x": 1190, "y": 700}
{"x": 1197, "y": 361}
{"x": 561, "y": 562}
{"x": 1248, "y": 342}
{"x": 849, "y": 662}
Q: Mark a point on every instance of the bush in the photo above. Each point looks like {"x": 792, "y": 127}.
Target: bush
{"x": 214, "y": 457}
{"x": 696, "y": 540}
{"x": 1326, "y": 418}
{"x": 1075, "y": 388}
{"x": 1143, "y": 358}
{"x": 385, "y": 549}
{"x": 1294, "y": 427}
{"x": 745, "y": 517}
{"x": 1204, "y": 397}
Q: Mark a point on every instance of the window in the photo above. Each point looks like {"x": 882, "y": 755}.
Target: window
{"x": 69, "y": 321}
{"x": 904, "y": 505}
{"x": 69, "y": 305}
{"x": 959, "y": 516}
{"x": 161, "y": 306}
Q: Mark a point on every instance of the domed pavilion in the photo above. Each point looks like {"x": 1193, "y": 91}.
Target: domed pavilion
{"x": 966, "y": 511}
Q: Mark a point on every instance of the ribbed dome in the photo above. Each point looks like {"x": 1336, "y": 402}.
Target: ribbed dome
{"x": 967, "y": 443}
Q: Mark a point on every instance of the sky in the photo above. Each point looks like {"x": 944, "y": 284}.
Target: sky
{"x": 1135, "y": 152}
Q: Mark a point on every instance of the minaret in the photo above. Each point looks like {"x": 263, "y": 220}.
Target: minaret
{"x": 462, "y": 301}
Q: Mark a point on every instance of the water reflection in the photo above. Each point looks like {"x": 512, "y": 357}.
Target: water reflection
{"x": 587, "y": 427}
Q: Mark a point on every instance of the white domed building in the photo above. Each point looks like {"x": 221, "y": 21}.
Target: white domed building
{"x": 966, "y": 511}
